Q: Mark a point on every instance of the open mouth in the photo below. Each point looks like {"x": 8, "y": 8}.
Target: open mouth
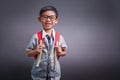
{"x": 47, "y": 24}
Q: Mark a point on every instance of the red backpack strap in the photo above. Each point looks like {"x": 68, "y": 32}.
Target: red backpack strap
{"x": 40, "y": 37}
{"x": 57, "y": 38}
{"x": 39, "y": 34}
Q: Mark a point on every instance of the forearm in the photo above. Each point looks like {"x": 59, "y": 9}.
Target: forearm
{"x": 62, "y": 53}
{"x": 35, "y": 51}
{"x": 32, "y": 53}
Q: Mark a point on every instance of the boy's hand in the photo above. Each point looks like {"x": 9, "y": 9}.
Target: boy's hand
{"x": 40, "y": 47}
{"x": 58, "y": 49}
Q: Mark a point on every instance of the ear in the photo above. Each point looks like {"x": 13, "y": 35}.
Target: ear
{"x": 57, "y": 20}
{"x": 39, "y": 18}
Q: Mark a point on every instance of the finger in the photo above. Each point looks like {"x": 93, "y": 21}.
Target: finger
{"x": 40, "y": 42}
{"x": 57, "y": 43}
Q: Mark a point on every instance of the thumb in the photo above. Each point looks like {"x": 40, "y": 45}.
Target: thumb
{"x": 57, "y": 44}
{"x": 40, "y": 42}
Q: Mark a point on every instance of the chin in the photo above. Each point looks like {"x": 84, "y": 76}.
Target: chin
{"x": 47, "y": 28}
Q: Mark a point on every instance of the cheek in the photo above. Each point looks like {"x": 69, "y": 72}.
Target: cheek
{"x": 55, "y": 22}
{"x": 42, "y": 22}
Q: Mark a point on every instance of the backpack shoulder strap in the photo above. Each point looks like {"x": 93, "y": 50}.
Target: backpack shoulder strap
{"x": 39, "y": 34}
{"x": 40, "y": 37}
{"x": 57, "y": 41}
{"x": 57, "y": 38}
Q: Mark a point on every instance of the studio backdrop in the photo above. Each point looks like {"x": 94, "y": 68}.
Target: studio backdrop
{"x": 91, "y": 29}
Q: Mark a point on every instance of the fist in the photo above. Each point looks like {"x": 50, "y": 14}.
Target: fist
{"x": 58, "y": 49}
{"x": 39, "y": 48}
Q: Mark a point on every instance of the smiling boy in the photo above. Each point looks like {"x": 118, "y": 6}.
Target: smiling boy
{"x": 49, "y": 66}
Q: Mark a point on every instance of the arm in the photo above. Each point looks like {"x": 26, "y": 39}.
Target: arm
{"x": 36, "y": 51}
{"x": 32, "y": 53}
{"x": 63, "y": 52}
{"x": 61, "y": 48}
{"x": 60, "y": 51}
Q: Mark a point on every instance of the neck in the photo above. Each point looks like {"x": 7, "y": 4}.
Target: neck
{"x": 49, "y": 32}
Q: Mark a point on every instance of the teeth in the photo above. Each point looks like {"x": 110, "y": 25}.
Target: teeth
{"x": 48, "y": 24}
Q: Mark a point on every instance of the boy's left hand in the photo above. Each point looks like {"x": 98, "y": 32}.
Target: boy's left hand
{"x": 58, "y": 49}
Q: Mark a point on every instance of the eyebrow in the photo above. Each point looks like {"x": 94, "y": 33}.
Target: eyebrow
{"x": 48, "y": 15}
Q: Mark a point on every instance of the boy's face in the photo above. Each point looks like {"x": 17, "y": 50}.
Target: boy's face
{"x": 48, "y": 20}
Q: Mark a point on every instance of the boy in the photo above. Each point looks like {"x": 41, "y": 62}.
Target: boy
{"x": 44, "y": 50}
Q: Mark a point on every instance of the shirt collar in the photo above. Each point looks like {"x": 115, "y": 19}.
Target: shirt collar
{"x": 44, "y": 33}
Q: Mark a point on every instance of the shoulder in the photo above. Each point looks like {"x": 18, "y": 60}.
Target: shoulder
{"x": 57, "y": 33}
{"x": 35, "y": 35}
{"x": 60, "y": 36}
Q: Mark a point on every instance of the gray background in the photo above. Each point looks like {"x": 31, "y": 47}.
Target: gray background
{"x": 91, "y": 29}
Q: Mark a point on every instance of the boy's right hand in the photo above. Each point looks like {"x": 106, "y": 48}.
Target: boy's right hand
{"x": 39, "y": 48}
{"x": 36, "y": 51}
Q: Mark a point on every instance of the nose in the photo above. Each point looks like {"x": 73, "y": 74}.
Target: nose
{"x": 48, "y": 19}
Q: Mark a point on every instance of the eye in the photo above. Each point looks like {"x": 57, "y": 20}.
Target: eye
{"x": 52, "y": 17}
{"x": 44, "y": 16}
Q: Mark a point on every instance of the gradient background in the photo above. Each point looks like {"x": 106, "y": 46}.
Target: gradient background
{"x": 91, "y": 29}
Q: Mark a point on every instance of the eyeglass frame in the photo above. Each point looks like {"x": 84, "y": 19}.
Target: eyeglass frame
{"x": 45, "y": 17}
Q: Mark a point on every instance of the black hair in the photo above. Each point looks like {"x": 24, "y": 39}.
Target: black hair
{"x": 48, "y": 8}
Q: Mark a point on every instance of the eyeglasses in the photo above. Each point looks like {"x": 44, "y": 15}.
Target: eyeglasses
{"x": 45, "y": 17}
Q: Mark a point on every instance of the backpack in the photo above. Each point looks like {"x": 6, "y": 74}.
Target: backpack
{"x": 57, "y": 39}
